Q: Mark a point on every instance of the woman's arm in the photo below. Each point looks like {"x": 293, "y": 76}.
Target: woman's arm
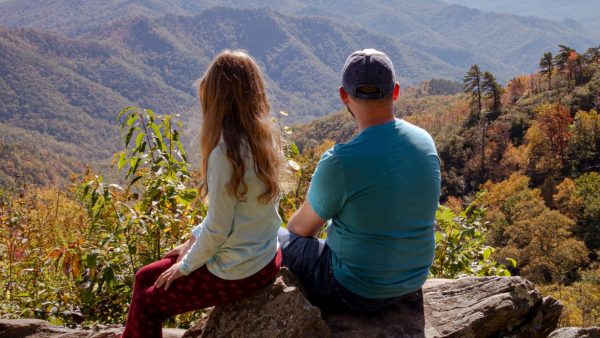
{"x": 217, "y": 225}
{"x": 214, "y": 230}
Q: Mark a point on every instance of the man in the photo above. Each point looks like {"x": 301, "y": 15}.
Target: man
{"x": 379, "y": 192}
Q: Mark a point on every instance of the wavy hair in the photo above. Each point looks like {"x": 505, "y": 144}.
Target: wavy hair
{"x": 235, "y": 107}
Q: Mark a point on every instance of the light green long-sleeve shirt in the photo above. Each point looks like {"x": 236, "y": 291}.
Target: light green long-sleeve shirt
{"x": 236, "y": 239}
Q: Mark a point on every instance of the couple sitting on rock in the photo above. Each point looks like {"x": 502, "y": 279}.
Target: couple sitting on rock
{"x": 378, "y": 192}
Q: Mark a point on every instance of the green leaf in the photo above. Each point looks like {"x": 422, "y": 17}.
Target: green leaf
{"x": 128, "y": 136}
{"x": 138, "y": 140}
{"x": 188, "y": 195}
{"x": 55, "y": 321}
{"x": 512, "y": 261}
{"x": 91, "y": 259}
{"x": 109, "y": 276}
{"x": 295, "y": 149}
{"x": 125, "y": 111}
{"x": 131, "y": 120}
{"x": 486, "y": 253}
{"x": 122, "y": 159}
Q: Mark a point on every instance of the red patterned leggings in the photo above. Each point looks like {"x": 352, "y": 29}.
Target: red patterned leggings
{"x": 200, "y": 289}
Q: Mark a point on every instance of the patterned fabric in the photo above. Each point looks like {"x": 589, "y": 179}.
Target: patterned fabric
{"x": 200, "y": 289}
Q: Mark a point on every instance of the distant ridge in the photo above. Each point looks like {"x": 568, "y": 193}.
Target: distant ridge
{"x": 505, "y": 44}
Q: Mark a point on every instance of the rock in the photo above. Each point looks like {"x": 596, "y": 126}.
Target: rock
{"x": 280, "y": 310}
{"x": 467, "y": 307}
{"x": 18, "y": 328}
{"x": 30, "y": 328}
{"x": 576, "y": 332}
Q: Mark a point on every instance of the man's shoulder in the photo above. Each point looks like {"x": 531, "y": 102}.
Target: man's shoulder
{"x": 414, "y": 129}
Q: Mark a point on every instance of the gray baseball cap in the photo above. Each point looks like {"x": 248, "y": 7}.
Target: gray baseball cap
{"x": 368, "y": 67}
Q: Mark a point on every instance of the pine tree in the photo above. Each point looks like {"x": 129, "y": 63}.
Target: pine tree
{"x": 564, "y": 61}
{"x": 472, "y": 82}
{"x": 592, "y": 55}
{"x": 547, "y": 67}
{"x": 492, "y": 90}
{"x": 561, "y": 59}
{"x": 473, "y": 87}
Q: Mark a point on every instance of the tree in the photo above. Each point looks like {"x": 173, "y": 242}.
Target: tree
{"x": 547, "y": 67}
{"x": 517, "y": 87}
{"x": 492, "y": 90}
{"x": 473, "y": 87}
{"x": 472, "y": 82}
{"x": 592, "y": 55}
{"x": 524, "y": 228}
{"x": 584, "y": 148}
{"x": 566, "y": 61}
{"x": 554, "y": 121}
{"x": 588, "y": 189}
{"x": 562, "y": 57}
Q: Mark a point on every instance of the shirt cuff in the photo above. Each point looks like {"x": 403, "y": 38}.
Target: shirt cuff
{"x": 184, "y": 268}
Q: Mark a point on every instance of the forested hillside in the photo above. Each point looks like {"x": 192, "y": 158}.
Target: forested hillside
{"x": 62, "y": 94}
{"x": 456, "y": 35}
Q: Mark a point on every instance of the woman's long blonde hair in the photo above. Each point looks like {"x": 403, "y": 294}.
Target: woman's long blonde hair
{"x": 234, "y": 105}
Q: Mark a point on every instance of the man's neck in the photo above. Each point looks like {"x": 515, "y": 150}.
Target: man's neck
{"x": 365, "y": 121}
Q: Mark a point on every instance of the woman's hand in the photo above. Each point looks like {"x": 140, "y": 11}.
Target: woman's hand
{"x": 167, "y": 277}
{"x": 174, "y": 252}
{"x": 181, "y": 250}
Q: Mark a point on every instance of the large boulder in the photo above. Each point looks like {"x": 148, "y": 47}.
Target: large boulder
{"x": 466, "y": 307}
{"x": 280, "y": 310}
{"x": 576, "y": 332}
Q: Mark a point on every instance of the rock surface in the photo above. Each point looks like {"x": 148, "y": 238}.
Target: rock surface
{"x": 35, "y": 328}
{"x": 280, "y": 310}
{"x": 576, "y": 332}
{"x": 467, "y": 307}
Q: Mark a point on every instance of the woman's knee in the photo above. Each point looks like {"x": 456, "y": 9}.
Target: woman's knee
{"x": 148, "y": 274}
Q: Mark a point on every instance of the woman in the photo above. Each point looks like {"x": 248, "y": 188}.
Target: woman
{"x": 234, "y": 251}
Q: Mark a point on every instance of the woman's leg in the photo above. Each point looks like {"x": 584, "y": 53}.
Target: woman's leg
{"x": 151, "y": 306}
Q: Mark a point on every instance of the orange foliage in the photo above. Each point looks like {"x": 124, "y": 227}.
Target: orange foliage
{"x": 554, "y": 121}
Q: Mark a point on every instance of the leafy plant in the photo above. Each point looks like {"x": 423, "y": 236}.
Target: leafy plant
{"x": 460, "y": 245}
{"x": 98, "y": 234}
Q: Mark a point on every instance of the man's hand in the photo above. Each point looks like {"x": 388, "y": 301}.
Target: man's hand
{"x": 305, "y": 222}
{"x": 167, "y": 277}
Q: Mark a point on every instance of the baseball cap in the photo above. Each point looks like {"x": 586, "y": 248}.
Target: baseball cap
{"x": 368, "y": 67}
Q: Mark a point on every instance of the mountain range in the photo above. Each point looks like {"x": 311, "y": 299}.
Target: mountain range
{"x": 506, "y": 44}
{"x": 571, "y": 12}
{"x": 69, "y": 66}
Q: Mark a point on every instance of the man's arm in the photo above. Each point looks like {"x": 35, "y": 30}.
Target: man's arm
{"x": 305, "y": 222}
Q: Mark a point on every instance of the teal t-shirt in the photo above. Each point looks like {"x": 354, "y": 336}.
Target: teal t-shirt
{"x": 380, "y": 192}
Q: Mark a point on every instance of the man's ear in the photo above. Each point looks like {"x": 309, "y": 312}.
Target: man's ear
{"x": 343, "y": 96}
{"x": 396, "y": 91}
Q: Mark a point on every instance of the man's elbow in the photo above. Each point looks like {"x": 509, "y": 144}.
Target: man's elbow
{"x": 295, "y": 226}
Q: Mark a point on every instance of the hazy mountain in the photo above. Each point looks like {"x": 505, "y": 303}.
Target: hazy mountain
{"x": 459, "y": 36}
{"x": 585, "y": 12}
{"x": 62, "y": 94}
